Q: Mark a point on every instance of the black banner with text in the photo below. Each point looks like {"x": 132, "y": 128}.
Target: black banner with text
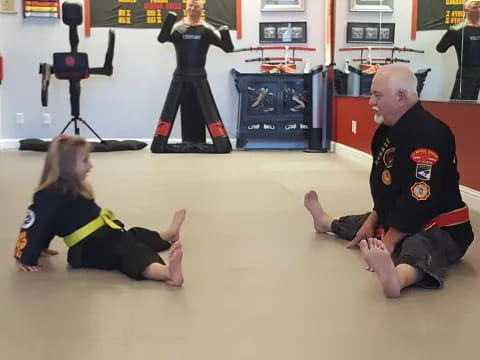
{"x": 439, "y": 14}
{"x": 151, "y": 13}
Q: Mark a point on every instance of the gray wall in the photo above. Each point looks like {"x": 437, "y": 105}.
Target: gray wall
{"x": 128, "y": 104}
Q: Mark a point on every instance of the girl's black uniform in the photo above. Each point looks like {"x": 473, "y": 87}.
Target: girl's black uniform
{"x": 57, "y": 212}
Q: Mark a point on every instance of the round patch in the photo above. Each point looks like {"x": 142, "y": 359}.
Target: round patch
{"x": 386, "y": 177}
{"x": 420, "y": 191}
{"x": 29, "y": 219}
{"x": 388, "y": 157}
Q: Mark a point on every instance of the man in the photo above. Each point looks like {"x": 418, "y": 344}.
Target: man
{"x": 465, "y": 37}
{"x": 192, "y": 36}
{"x": 415, "y": 191}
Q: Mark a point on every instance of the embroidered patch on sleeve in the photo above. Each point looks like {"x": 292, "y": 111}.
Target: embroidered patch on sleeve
{"x": 423, "y": 172}
{"x": 388, "y": 157}
{"x": 420, "y": 191}
{"x": 21, "y": 244}
{"x": 29, "y": 219}
{"x": 386, "y": 177}
{"x": 424, "y": 156}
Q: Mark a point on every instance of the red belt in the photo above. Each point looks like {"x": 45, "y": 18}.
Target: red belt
{"x": 450, "y": 218}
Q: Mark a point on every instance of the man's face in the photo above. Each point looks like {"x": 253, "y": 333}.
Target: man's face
{"x": 384, "y": 101}
{"x": 194, "y": 8}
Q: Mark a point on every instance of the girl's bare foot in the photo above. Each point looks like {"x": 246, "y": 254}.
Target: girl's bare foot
{"x": 378, "y": 258}
{"x": 322, "y": 222}
{"x": 173, "y": 233}
{"x": 175, "y": 256}
{"x": 48, "y": 252}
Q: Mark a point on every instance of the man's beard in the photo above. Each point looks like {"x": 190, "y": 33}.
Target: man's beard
{"x": 378, "y": 118}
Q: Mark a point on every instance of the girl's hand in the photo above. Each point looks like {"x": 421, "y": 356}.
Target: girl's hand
{"x": 28, "y": 268}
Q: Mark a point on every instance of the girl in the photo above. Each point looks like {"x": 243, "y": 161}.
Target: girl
{"x": 63, "y": 205}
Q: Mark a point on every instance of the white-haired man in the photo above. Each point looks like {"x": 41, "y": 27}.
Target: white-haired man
{"x": 465, "y": 37}
{"x": 419, "y": 224}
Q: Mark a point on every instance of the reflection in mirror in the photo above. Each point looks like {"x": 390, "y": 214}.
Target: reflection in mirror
{"x": 383, "y": 37}
{"x": 465, "y": 38}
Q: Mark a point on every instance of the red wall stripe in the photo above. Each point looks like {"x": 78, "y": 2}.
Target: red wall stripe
{"x": 414, "y": 19}
{"x": 87, "y": 17}
{"x": 239, "y": 19}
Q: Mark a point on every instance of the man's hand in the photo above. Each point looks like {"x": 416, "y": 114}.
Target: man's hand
{"x": 391, "y": 238}
{"x": 389, "y": 246}
{"x": 28, "y": 268}
{"x": 365, "y": 232}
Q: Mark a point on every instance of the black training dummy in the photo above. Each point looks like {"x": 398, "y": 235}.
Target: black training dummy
{"x": 190, "y": 90}
{"x": 73, "y": 66}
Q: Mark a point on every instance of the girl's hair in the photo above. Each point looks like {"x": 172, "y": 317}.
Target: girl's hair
{"x": 60, "y": 164}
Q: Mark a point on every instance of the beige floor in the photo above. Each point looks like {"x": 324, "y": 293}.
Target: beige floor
{"x": 260, "y": 284}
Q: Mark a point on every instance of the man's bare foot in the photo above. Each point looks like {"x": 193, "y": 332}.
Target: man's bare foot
{"x": 175, "y": 256}
{"x": 378, "y": 258}
{"x": 173, "y": 233}
{"x": 322, "y": 222}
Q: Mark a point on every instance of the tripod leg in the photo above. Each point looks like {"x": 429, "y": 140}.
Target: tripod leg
{"x": 66, "y": 126}
{"x": 90, "y": 128}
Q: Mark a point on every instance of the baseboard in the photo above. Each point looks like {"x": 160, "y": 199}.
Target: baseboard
{"x": 9, "y": 144}
{"x": 351, "y": 153}
{"x": 14, "y": 144}
{"x": 469, "y": 195}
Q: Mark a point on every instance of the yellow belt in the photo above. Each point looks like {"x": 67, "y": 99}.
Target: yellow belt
{"x": 106, "y": 217}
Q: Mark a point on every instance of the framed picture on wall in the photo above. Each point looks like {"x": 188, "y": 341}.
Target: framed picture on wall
{"x": 283, "y": 5}
{"x": 283, "y": 32}
{"x": 7, "y": 7}
{"x": 378, "y": 33}
{"x": 371, "y": 5}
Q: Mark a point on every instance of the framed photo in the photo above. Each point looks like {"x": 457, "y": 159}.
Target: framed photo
{"x": 378, "y": 33}
{"x": 371, "y": 5}
{"x": 283, "y": 32}
{"x": 7, "y": 7}
{"x": 283, "y": 5}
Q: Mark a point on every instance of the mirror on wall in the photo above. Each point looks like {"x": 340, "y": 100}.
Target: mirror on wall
{"x": 439, "y": 40}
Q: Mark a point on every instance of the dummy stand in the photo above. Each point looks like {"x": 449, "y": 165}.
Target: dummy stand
{"x": 75, "y": 121}
{"x": 75, "y": 109}
{"x": 73, "y": 66}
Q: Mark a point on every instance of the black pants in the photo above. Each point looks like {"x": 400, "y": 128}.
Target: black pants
{"x": 193, "y": 94}
{"x": 129, "y": 252}
{"x": 430, "y": 251}
{"x": 470, "y": 85}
